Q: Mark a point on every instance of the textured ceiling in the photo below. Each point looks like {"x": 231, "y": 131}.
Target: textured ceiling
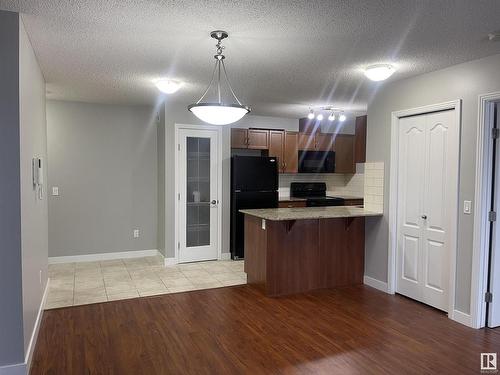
{"x": 282, "y": 56}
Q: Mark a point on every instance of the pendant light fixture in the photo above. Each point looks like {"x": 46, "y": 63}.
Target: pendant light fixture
{"x": 219, "y": 112}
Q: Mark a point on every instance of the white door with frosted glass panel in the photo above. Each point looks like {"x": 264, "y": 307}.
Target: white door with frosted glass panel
{"x": 198, "y": 190}
{"x": 427, "y": 144}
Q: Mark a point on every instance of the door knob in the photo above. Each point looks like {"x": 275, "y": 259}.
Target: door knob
{"x": 214, "y": 202}
{"x": 424, "y": 217}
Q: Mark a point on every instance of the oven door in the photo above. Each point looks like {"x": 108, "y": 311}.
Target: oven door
{"x": 316, "y": 161}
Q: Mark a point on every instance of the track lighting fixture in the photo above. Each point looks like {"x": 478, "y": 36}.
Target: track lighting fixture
{"x": 310, "y": 116}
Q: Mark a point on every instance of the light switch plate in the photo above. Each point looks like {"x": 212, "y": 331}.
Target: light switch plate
{"x": 55, "y": 190}
{"x": 467, "y": 207}
{"x": 136, "y": 233}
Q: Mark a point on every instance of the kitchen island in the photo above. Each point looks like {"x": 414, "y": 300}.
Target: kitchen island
{"x": 294, "y": 250}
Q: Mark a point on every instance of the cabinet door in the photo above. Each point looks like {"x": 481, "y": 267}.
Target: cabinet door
{"x": 307, "y": 141}
{"x": 258, "y": 139}
{"x": 291, "y": 152}
{"x": 344, "y": 154}
{"x": 360, "y": 140}
{"x": 324, "y": 142}
{"x": 276, "y": 147}
{"x": 239, "y": 138}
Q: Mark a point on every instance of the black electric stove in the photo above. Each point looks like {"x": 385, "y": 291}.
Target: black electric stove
{"x": 314, "y": 193}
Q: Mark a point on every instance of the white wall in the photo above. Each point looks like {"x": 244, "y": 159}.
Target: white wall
{"x": 34, "y": 219}
{"x": 465, "y": 81}
{"x": 103, "y": 159}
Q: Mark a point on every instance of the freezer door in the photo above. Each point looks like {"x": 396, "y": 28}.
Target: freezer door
{"x": 246, "y": 200}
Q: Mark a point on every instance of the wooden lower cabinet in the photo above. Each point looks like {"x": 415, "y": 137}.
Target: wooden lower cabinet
{"x": 301, "y": 255}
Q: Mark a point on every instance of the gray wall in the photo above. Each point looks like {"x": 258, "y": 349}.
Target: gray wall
{"x": 11, "y": 314}
{"x": 34, "y": 220}
{"x": 466, "y": 82}
{"x": 104, "y": 160}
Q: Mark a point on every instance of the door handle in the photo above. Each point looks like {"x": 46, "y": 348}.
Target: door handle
{"x": 214, "y": 202}
{"x": 424, "y": 217}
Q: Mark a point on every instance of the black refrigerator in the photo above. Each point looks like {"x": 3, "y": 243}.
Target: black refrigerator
{"x": 254, "y": 184}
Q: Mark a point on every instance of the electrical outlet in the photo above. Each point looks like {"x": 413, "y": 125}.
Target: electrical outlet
{"x": 55, "y": 190}
{"x": 136, "y": 233}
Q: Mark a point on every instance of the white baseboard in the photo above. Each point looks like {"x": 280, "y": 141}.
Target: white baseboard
{"x": 462, "y": 318}
{"x": 104, "y": 256}
{"x": 17, "y": 369}
{"x": 34, "y": 335}
{"x": 374, "y": 283}
{"x": 23, "y": 368}
{"x": 225, "y": 256}
{"x": 170, "y": 261}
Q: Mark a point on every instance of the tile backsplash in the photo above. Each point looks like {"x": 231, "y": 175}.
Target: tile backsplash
{"x": 374, "y": 187}
{"x": 341, "y": 184}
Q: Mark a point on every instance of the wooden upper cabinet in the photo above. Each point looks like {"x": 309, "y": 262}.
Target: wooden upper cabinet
{"x": 344, "y": 154}
{"x": 291, "y": 152}
{"x": 277, "y": 147}
{"x": 324, "y": 142}
{"x": 307, "y": 141}
{"x": 258, "y": 139}
{"x": 360, "y": 140}
{"x": 239, "y": 138}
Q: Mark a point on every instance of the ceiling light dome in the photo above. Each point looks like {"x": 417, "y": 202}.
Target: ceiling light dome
{"x": 167, "y": 86}
{"x": 218, "y": 112}
{"x": 379, "y": 72}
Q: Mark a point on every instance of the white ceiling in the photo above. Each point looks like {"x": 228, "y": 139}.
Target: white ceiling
{"x": 282, "y": 56}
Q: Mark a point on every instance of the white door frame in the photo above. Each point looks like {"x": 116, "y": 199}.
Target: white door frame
{"x": 482, "y": 198}
{"x": 218, "y": 129}
{"x": 393, "y": 196}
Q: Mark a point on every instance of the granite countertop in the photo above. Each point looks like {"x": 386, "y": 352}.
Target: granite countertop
{"x": 287, "y": 198}
{"x": 331, "y": 212}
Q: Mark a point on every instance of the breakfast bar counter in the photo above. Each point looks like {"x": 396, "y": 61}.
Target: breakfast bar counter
{"x": 294, "y": 250}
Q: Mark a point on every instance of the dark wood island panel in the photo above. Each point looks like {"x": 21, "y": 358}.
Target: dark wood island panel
{"x": 295, "y": 256}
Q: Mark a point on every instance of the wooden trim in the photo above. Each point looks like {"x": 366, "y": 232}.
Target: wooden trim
{"x": 393, "y": 195}
{"x": 374, "y": 283}
{"x": 482, "y": 196}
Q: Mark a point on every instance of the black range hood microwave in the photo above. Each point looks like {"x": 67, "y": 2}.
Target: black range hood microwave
{"x": 316, "y": 161}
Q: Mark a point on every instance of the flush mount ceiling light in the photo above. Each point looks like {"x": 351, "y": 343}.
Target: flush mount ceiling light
{"x": 167, "y": 86}
{"x": 379, "y": 72}
{"x": 219, "y": 112}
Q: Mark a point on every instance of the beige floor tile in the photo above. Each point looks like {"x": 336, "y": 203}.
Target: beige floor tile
{"x": 233, "y": 282}
{"x": 62, "y": 267}
{"x": 227, "y": 276}
{"x": 115, "y": 287}
{"x": 169, "y": 273}
{"x": 203, "y": 280}
{"x": 58, "y": 304}
{"x": 114, "y": 268}
{"x": 156, "y": 261}
{"x": 117, "y": 276}
{"x": 189, "y": 266}
{"x": 56, "y": 283}
{"x": 196, "y": 273}
{"x": 210, "y": 285}
{"x": 143, "y": 274}
{"x": 180, "y": 289}
{"x": 178, "y": 282}
{"x": 90, "y": 296}
{"x": 148, "y": 284}
{"x": 61, "y": 274}
{"x": 88, "y": 284}
{"x": 112, "y": 263}
{"x": 123, "y": 295}
{"x": 153, "y": 292}
{"x": 87, "y": 266}
{"x": 91, "y": 272}
{"x": 60, "y": 295}
{"x": 88, "y": 300}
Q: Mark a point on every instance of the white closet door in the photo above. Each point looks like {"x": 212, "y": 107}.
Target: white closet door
{"x": 410, "y": 203}
{"x": 426, "y": 149}
{"x": 437, "y": 209}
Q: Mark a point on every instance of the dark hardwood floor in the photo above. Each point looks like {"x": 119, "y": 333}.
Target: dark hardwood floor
{"x": 237, "y": 330}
